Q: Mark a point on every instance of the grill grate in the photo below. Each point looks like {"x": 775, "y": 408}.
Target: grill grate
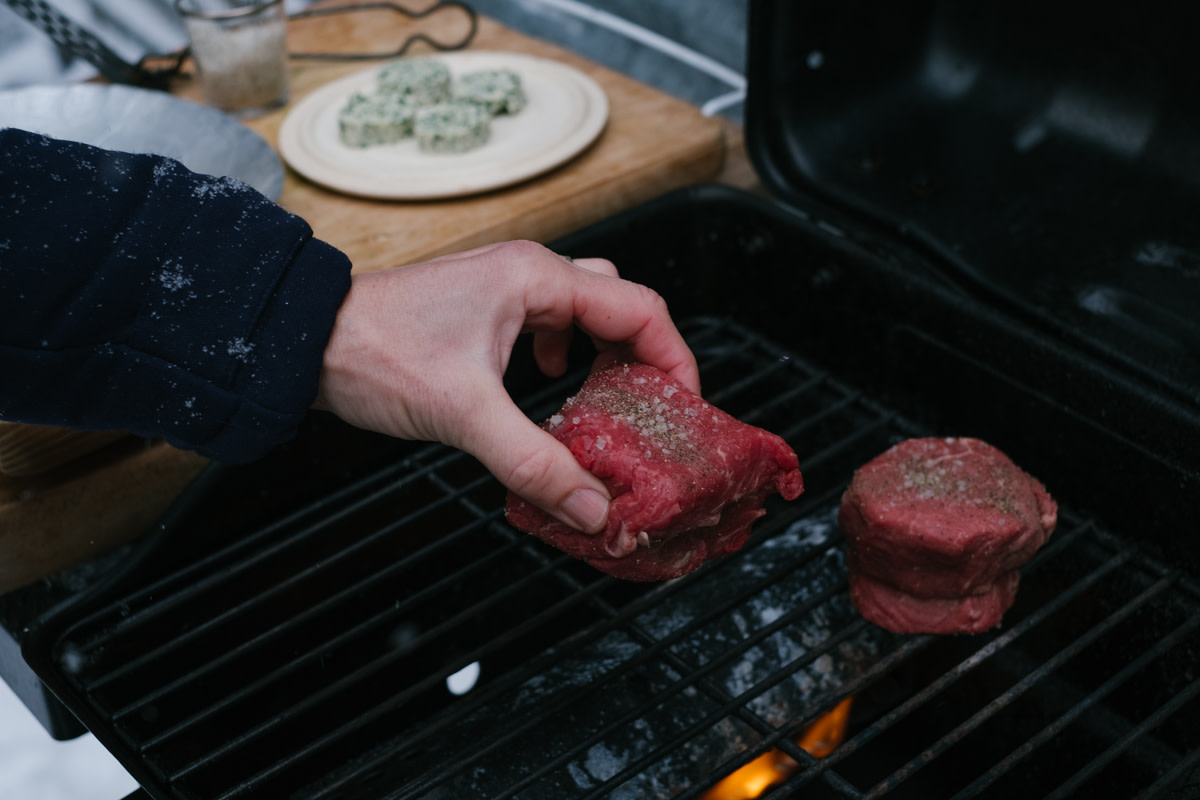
{"x": 309, "y": 659}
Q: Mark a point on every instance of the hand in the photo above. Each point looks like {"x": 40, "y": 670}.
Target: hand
{"x": 419, "y": 352}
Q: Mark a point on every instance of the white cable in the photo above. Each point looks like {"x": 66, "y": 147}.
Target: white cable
{"x": 663, "y": 45}
{"x": 722, "y": 102}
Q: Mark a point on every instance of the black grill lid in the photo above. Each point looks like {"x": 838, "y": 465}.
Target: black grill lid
{"x": 1045, "y": 155}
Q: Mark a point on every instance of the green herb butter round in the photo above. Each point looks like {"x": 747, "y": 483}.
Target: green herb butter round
{"x": 374, "y": 119}
{"x": 455, "y": 127}
{"x": 497, "y": 90}
{"x": 421, "y": 80}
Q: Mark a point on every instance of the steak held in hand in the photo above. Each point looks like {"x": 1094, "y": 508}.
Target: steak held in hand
{"x": 687, "y": 479}
{"x": 935, "y": 532}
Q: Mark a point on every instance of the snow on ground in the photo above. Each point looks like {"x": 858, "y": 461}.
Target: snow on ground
{"x": 35, "y": 766}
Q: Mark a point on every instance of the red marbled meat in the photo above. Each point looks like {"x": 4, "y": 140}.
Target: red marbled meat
{"x": 687, "y": 479}
{"x": 936, "y": 530}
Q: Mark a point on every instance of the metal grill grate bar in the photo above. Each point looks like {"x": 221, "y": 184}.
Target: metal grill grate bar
{"x": 1187, "y": 766}
{"x": 299, "y": 620}
{"x": 222, "y": 577}
{"x": 977, "y": 719}
{"x": 1137, "y": 732}
{"x": 1052, "y": 730}
{"x": 334, "y": 687}
{"x": 282, "y": 674}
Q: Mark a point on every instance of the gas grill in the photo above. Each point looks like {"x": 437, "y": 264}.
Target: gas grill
{"x": 293, "y": 635}
{"x": 353, "y": 618}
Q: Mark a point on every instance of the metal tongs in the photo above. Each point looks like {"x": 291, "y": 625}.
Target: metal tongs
{"x": 472, "y": 21}
{"x": 155, "y": 71}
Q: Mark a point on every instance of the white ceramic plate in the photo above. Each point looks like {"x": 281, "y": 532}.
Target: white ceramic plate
{"x": 566, "y": 111}
{"x": 144, "y": 121}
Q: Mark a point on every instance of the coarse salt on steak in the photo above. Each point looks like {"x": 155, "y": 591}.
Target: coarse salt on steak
{"x": 936, "y": 530}
{"x": 686, "y": 479}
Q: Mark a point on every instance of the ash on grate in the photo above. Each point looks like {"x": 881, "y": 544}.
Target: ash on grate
{"x": 760, "y": 627}
{"x": 782, "y": 634}
{"x": 586, "y": 719}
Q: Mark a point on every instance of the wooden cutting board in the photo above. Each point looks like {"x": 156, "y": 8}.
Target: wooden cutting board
{"x": 652, "y": 143}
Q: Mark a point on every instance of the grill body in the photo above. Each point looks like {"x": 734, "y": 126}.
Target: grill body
{"x": 290, "y": 630}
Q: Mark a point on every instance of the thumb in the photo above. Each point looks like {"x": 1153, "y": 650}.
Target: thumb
{"x": 540, "y": 469}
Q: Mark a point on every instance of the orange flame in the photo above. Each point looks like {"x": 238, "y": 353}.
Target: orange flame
{"x": 819, "y": 739}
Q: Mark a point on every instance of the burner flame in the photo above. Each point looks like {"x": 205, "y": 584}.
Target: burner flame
{"x": 774, "y": 766}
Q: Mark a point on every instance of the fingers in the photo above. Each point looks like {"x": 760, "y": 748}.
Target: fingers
{"x": 538, "y": 468}
{"x": 613, "y": 312}
{"x": 550, "y": 347}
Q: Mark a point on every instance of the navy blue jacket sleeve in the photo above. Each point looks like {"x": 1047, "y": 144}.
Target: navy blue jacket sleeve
{"x": 137, "y": 295}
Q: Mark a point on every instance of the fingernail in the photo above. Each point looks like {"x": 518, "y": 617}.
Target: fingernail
{"x": 586, "y": 508}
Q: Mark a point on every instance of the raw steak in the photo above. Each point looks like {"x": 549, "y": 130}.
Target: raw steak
{"x": 935, "y": 532}
{"x": 686, "y": 479}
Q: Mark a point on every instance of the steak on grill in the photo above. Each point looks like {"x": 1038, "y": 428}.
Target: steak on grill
{"x": 936, "y": 530}
{"x": 686, "y": 479}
